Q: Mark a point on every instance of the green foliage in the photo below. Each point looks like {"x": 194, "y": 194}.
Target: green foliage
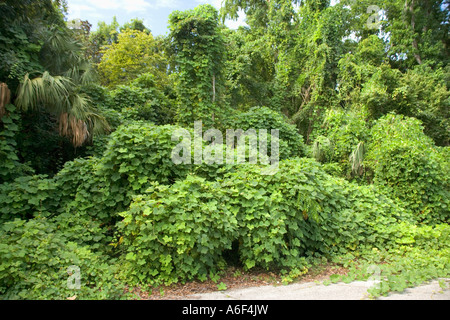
{"x": 197, "y": 44}
{"x": 301, "y": 212}
{"x": 323, "y": 149}
{"x": 140, "y": 153}
{"x": 345, "y": 130}
{"x": 141, "y": 100}
{"x": 74, "y": 177}
{"x": 423, "y": 93}
{"x": 21, "y": 37}
{"x": 414, "y": 255}
{"x": 278, "y": 221}
{"x": 177, "y": 233}
{"x": 35, "y": 263}
{"x": 83, "y": 213}
{"x": 355, "y": 69}
{"x": 407, "y": 164}
{"x": 28, "y": 196}
{"x": 134, "y": 53}
{"x": 419, "y": 30}
{"x": 135, "y": 24}
{"x": 137, "y": 155}
{"x": 277, "y": 215}
{"x": 340, "y": 135}
{"x": 10, "y": 167}
{"x": 323, "y": 73}
{"x": 291, "y": 142}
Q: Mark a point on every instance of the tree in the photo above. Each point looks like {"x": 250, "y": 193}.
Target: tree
{"x": 77, "y": 120}
{"x": 105, "y": 35}
{"x": 43, "y": 64}
{"x": 419, "y": 31}
{"x": 197, "y": 43}
{"x": 23, "y": 29}
{"x": 134, "y": 53}
{"x": 135, "y": 24}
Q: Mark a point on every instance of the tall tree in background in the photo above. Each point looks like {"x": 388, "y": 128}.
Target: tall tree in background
{"x": 134, "y": 53}
{"x": 197, "y": 43}
{"x": 289, "y": 56}
{"x": 418, "y": 30}
{"x": 43, "y": 64}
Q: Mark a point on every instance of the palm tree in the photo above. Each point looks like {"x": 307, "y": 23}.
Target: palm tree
{"x": 58, "y": 95}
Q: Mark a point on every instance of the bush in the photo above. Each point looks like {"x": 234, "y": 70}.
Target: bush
{"x": 339, "y": 136}
{"x": 140, "y": 153}
{"x": 27, "y": 197}
{"x": 84, "y": 190}
{"x": 277, "y": 222}
{"x": 76, "y": 184}
{"x": 99, "y": 95}
{"x": 408, "y": 166}
{"x": 127, "y": 97}
{"x": 10, "y": 167}
{"x": 141, "y": 100}
{"x": 136, "y": 156}
{"x": 291, "y": 141}
{"x": 36, "y": 259}
{"x": 177, "y": 233}
{"x": 303, "y": 212}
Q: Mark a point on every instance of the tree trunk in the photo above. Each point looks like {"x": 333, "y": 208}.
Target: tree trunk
{"x": 5, "y": 97}
{"x": 413, "y": 28}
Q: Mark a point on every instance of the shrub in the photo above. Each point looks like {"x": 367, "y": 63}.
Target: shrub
{"x": 338, "y": 138}
{"x": 76, "y": 219}
{"x": 277, "y": 222}
{"x": 99, "y": 95}
{"x": 27, "y": 197}
{"x": 303, "y": 212}
{"x": 73, "y": 178}
{"x": 291, "y": 141}
{"x": 10, "y": 167}
{"x": 140, "y": 153}
{"x": 127, "y": 97}
{"x": 83, "y": 190}
{"x": 136, "y": 156}
{"x": 177, "y": 233}
{"x": 408, "y": 166}
{"x": 141, "y": 100}
{"x": 278, "y": 215}
{"x": 35, "y": 263}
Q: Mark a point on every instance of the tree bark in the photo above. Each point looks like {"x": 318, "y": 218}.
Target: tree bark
{"x": 5, "y": 97}
{"x": 413, "y": 28}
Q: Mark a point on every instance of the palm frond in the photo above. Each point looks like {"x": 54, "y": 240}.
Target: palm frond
{"x": 78, "y": 121}
{"x": 81, "y": 122}
{"x": 48, "y": 91}
{"x": 357, "y": 158}
{"x": 82, "y": 73}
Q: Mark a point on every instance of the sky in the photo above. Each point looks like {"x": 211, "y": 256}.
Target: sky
{"x": 155, "y": 13}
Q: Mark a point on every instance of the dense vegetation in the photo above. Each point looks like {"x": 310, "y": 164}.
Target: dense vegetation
{"x": 87, "y": 123}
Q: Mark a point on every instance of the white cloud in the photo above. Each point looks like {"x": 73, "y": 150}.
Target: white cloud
{"x": 77, "y": 10}
{"x": 240, "y": 22}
